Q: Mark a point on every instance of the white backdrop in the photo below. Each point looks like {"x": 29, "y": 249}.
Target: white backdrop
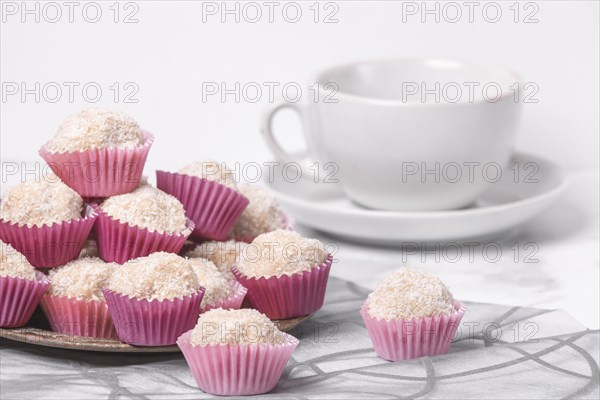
{"x": 170, "y": 52}
{"x": 174, "y": 48}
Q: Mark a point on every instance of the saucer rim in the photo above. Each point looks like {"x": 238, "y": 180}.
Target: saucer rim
{"x": 563, "y": 183}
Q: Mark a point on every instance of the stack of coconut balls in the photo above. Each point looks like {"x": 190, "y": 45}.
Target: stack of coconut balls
{"x": 107, "y": 255}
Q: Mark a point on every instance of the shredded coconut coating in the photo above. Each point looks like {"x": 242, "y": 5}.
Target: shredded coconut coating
{"x": 82, "y": 279}
{"x": 245, "y": 326}
{"x": 410, "y": 293}
{"x": 217, "y": 285}
{"x": 211, "y": 171}
{"x": 262, "y": 215}
{"x": 224, "y": 255}
{"x": 41, "y": 201}
{"x": 281, "y": 252}
{"x": 14, "y": 264}
{"x": 96, "y": 128}
{"x": 157, "y": 276}
{"x": 148, "y": 207}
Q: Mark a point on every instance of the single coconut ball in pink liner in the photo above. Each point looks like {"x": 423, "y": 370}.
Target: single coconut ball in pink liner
{"x": 281, "y": 252}
{"x": 82, "y": 279}
{"x": 245, "y": 326}
{"x": 262, "y": 215}
{"x": 410, "y": 293}
{"x": 211, "y": 171}
{"x": 158, "y": 276}
{"x": 224, "y": 255}
{"x": 217, "y": 285}
{"x": 14, "y": 264}
{"x": 148, "y": 207}
{"x": 96, "y": 128}
{"x": 41, "y": 201}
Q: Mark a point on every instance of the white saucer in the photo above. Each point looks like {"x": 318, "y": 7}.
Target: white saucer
{"x": 504, "y": 206}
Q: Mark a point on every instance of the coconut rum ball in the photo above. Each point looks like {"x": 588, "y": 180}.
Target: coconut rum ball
{"x": 410, "y": 293}
{"x": 211, "y": 171}
{"x": 82, "y": 279}
{"x": 243, "y": 326}
{"x": 224, "y": 255}
{"x": 41, "y": 201}
{"x": 157, "y": 276}
{"x": 216, "y": 284}
{"x": 281, "y": 252}
{"x": 14, "y": 264}
{"x": 96, "y": 128}
{"x": 148, "y": 207}
{"x": 262, "y": 215}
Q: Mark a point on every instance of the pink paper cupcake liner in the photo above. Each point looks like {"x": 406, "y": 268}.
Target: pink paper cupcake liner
{"x": 213, "y": 207}
{"x": 100, "y": 172}
{"x": 288, "y": 224}
{"x": 396, "y": 340}
{"x": 49, "y": 246}
{"x": 237, "y": 370}
{"x": 120, "y": 242}
{"x": 74, "y": 317}
{"x": 287, "y": 296}
{"x": 233, "y": 302}
{"x": 143, "y": 322}
{"x": 19, "y": 297}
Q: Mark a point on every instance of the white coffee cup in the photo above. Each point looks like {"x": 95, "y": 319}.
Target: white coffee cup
{"x": 409, "y": 134}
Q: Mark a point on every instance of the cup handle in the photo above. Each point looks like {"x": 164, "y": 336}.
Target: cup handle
{"x": 267, "y": 131}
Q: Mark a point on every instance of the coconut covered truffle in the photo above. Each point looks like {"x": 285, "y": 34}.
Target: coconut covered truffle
{"x": 41, "y": 201}
{"x": 157, "y": 276}
{"x": 14, "y": 264}
{"x": 244, "y": 326}
{"x": 410, "y": 293}
{"x": 223, "y": 254}
{"x": 96, "y": 128}
{"x": 211, "y": 171}
{"x": 82, "y": 279}
{"x": 281, "y": 252}
{"x": 217, "y": 286}
{"x": 148, "y": 207}
{"x": 262, "y": 215}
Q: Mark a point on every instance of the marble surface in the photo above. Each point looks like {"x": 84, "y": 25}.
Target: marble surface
{"x": 561, "y": 273}
{"x": 551, "y": 262}
{"x": 498, "y": 352}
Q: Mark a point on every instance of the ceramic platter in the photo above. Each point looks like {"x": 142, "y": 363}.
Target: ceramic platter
{"x": 37, "y": 333}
